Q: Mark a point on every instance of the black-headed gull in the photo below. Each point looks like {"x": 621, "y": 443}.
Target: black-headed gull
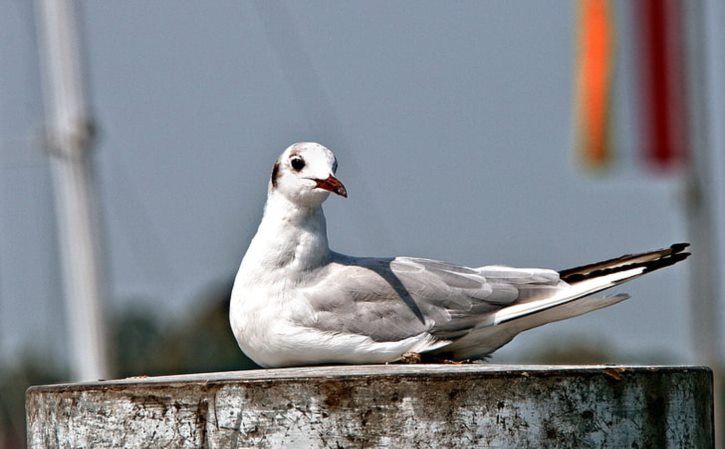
{"x": 296, "y": 302}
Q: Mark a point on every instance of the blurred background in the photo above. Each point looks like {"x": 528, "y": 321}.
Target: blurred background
{"x": 137, "y": 139}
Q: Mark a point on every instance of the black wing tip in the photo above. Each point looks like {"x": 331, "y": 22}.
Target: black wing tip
{"x": 677, "y": 247}
{"x": 666, "y": 257}
{"x": 666, "y": 261}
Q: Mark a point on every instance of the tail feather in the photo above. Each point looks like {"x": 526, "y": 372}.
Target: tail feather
{"x": 576, "y": 298}
{"x": 587, "y": 280}
{"x": 566, "y": 295}
{"x": 651, "y": 261}
{"x": 482, "y": 341}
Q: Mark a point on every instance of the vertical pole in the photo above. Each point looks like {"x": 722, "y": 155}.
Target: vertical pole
{"x": 70, "y": 138}
{"x": 706, "y": 74}
{"x": 702, "y": 191}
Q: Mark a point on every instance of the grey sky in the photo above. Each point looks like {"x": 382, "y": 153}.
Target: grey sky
{"x": 452, "y": 127}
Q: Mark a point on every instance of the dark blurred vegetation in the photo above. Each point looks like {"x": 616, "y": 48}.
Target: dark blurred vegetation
{"x": 146, "y": 345}
{"x": 14, "y": 380}
{"x": 575, "y": 350}
{"x": 202, "y": 343}
{"x": 143, "y": 345}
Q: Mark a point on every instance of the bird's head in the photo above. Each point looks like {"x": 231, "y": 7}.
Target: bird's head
{"x": 304, "y": 174}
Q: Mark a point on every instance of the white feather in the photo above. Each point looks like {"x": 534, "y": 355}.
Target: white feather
{"x": 563, "y": 296}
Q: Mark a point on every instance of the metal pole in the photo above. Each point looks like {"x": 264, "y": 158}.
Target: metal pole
{"x": 705, "y": 188}
{"x": 70, "y": 138}
{"x": 701, "y": 194}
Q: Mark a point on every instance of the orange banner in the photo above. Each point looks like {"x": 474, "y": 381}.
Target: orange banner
{"x": 595, "y": 55}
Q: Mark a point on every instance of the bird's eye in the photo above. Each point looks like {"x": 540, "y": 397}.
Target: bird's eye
{"x": 298, "y": 163}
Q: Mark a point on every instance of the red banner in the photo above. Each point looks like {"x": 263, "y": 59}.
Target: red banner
{"x": 662, "y": 82}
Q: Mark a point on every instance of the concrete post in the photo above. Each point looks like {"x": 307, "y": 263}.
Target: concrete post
{"x": 394, "y": 406}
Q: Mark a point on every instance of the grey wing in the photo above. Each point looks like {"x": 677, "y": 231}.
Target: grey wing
{"x": 393, "y": 299}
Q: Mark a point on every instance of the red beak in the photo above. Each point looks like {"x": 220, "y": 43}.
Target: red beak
{"x": 332, "y": 184}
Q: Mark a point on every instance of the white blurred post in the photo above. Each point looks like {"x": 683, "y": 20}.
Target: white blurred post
{"x": 70, "y": 138}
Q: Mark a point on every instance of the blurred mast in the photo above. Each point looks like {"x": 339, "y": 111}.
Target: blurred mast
{"x": 702, "y": 185}
{"x": 69, "y": 141}
{"x": 705, "y": 188}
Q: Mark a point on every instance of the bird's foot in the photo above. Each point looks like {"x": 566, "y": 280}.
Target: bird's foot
{"x": 410, "y": 358}
{"x": 446, "y": 361}
{"x": 456, "y": 362}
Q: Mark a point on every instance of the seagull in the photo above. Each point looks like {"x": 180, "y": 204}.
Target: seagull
{"x": 296, "y": 302}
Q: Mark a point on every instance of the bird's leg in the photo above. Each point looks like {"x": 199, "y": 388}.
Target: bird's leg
{"x": 449, "y": 361}
{"x": 445, "y": 361}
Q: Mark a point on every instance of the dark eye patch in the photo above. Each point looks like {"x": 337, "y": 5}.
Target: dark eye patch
{"x": 297, "y": 163}
{"x": 275, "y": 174}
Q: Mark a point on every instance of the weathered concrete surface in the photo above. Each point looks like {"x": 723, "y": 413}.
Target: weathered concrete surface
{"x": 419, "y": 406}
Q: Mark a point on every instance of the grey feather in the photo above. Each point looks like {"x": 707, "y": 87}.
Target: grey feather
{"x": 390, "y": 299}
